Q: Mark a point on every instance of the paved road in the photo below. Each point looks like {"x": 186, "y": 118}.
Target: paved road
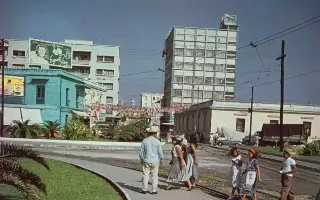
{"x": 130, "y": 181}
{"x": 211, "y": 161}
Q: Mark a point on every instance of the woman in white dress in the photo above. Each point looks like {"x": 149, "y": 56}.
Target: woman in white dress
{"x": 235, "y": 171}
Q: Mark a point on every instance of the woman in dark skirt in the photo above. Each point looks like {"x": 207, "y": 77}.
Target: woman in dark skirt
{"x": 177, "y": 169}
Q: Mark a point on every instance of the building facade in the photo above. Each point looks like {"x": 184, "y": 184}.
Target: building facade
{"x": 151, "y": 100}
{"x": 200, "y": 64}
{"x": 96, "y": 63}
{"x": 45, "y": 95}
{"x": 208, "y": 117}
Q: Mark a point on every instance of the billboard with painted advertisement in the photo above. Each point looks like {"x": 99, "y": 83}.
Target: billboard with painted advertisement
{"x": 50, "y": 53}
{"x": 13, "y": 85}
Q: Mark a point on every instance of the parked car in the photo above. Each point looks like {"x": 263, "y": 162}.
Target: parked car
{"x": 225, "y": 140}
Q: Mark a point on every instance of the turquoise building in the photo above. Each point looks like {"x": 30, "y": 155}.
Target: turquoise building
{"x": 45, "y": 95}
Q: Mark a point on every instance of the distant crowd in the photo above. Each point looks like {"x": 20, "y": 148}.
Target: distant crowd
{"x": 184, "y": 166}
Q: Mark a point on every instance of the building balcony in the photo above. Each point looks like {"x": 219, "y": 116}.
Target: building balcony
{"x": 81, "y": 62}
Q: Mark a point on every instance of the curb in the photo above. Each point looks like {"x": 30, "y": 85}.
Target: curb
{"x": 275, "y": 160}
{"x": 115, "y": 185}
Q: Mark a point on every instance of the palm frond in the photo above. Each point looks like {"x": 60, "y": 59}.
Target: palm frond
{"x": 11, "y": 166}
{"x": 11, "y": 179}
{"x": 15, "y": 151}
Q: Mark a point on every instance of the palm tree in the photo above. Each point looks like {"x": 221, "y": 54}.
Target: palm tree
{"x": 23, "y": 129}
{"x": 51, "y": 127}
{"x": 13, "y": 174}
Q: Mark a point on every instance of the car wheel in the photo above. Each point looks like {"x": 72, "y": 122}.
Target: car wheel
{"x": 219, "y": 143}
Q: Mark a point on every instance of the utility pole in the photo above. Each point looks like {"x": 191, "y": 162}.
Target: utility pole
{"x": 281, "y": 58}
{"x": 2, "y": 45}
{"x": 251, "y": 110}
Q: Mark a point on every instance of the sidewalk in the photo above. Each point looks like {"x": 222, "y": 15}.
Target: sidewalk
{"x": 304, "y": 164}
{"x": 130, "y": 181}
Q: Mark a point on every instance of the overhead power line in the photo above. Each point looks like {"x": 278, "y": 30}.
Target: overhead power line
{"x": 143, "y": 72}
{"x": 287, "y": 78}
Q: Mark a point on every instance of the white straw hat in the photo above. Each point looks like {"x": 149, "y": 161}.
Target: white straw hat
{"x": 153, "y": 129}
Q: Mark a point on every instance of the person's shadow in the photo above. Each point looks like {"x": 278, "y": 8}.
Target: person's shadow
{"x": 129, "y": 187}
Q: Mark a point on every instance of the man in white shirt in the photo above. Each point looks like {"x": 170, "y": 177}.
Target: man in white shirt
{"x": 211, "y": 139}
{"x": 288, "y": 169}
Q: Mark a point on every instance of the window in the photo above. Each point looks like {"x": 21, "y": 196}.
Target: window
{"x": 109, "y": 112}
{"x": 19, "y": 53}
{"x": 208, "y": 67}
{"x": 229, "y": 81}
{"x": 109, "y": 99}
{"x": 218, "y": 95}
{"x": 178, "y": 52}
{"x": 153, "y": 98}
{"x": 177, "y": 92}
{"x": 208, "y": 80}
{"x": 178, "y": 65}
{"x": 77, "y": 99}
{"x": 109, "y": 86}
{"x": 231, "y": 54}
{"x": 104, "y": 72}
{"x": 198, "y": 93}
{"x": 67, "y": 97}
{"x": 200, "y": 53}
{"x": 189, "y": 52}
{"x": 219, "y": 81}
{"x": 177, "y": 79}
{"x": 188, "y": 79}
{"x": 179, "y": 37}
{"x": 108, "y": 59}
{"x": 210, "y": 54}
{"x": 146, "y": 98}
{"x": 229, "y": 93}
{"x": 274, "y": 122}
{"x": 221, "y": 39}
{"x": 187, "y": 93}
{"x": 40, "y": 98}
{"x": 34, "y": 66}
{"x": 66, "y": 119}
{"x": 208, "y": 94}
{"x": 189, "y": 37}
{"x": 188, "y": 66}
{"x": 199, "y": 66}
{"x": 240, "y": 125}
{"x": 220, "y": 67}
{"x": 17, "y": 66}
{"x": 198, "y": 80}
{"x": 220, "y": 54}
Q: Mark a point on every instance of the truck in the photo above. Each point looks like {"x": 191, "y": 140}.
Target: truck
{"x": 270, "y": 134}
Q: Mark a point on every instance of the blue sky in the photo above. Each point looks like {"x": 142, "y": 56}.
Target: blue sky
{"x": 140, "y": 27}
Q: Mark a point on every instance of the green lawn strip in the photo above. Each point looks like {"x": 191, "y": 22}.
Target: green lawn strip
{"x": 67, "y": 182}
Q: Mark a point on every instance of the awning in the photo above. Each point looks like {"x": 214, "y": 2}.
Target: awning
{"x": 80, "y": 114}
{"x": 11, "y": 114}
{"x": 34, "y": 115}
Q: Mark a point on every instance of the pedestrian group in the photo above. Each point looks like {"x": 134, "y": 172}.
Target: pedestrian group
{"x": 184, "y": 166}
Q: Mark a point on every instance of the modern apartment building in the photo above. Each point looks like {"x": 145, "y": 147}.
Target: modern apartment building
{"x": 150, "y": 100}
{"x": 200, "y": 64}
{"x": 95, "y": 63}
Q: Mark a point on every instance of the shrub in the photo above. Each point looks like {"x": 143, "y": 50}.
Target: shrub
{"x": 22, "y": 129}
{"x": 134, "y": 131}
{"x": 76, "y": 130}
{"x": 312, "y": 149}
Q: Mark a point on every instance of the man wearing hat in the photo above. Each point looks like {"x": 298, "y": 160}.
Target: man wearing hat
{"x": 151, "y": 156}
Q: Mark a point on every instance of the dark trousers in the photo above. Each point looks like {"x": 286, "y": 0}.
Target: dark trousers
{"x": 286, "y": 191}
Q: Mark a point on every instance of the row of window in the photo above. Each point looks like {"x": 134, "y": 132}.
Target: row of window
{"x": 106, "y": 59}
{"x": 200, "y": 94}
{"x": 219, "y": 39}
{"x": 204, "y": 53}
{"x": 204, "y": 67}
{"x": 203, "y": 80}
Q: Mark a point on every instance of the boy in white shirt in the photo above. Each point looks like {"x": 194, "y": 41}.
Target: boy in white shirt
{"x": 287, "y": 171}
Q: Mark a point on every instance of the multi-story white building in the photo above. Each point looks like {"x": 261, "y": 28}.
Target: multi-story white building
{"x": 200, "y": 64}
{"x": 151, "y": 99}
{"x": 95, "y": 63}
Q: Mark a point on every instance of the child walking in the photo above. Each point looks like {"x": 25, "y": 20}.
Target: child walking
{"x": 235, "y": 171}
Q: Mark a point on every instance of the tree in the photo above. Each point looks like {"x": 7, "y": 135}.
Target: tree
{"x": 13, "y": 174}
{"x": 20, "y": 129}
{"x": 51, "y": 127}
{"x": 134, "y": 131}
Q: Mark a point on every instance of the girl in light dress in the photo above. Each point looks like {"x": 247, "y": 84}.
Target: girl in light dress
{"x": 235, "y": 171}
